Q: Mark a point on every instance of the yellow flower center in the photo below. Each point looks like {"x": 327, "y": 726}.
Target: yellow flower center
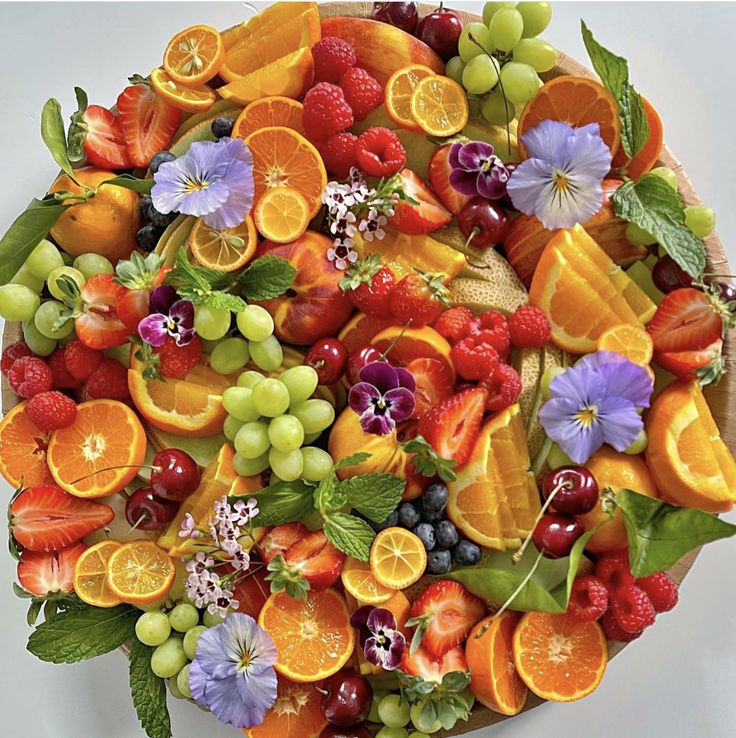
{"x": 587, "y": 416}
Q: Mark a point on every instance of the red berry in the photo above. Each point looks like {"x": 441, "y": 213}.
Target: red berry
{"x": 363, "y": 355}
{"x": 176, "y": 476}
{"x": 108, "y": 382}
{"x": 81, "y": 360}
{"x": 661, "y": 589}
{"x": 492, "y": 327}
{"x": 472, "y": 360}
{"x": 529, "y": 327}
{"x": 370, "y": 287}
{"x": 51, "y": 410}
{"x": 12, "y": 353}
{"x": 145, "y": 511}
{"x": 612, "y": 568}
{"x": 614, "y": 631}
{"x": 588, "y": 598}
{"x": 419, "y": 298}
{"x": 328, "y": 358}
{"x": 454, "y": 324}
{"x": 332, "y": 58}
{"x": 61, "y": 377}
{"x": 379, "y": 152}
{"x": 632, "y": 608}
{"x": 176, "y": 361}
{"x": 362, "y": 91}
{"x": 338, "y": 154}
{"x": 30, "y": 375}
{"x": 426, "y": 214}
{"x": 555, "y": 534}
{"x": 326, "y": 112}
{"x": 503, "y": 388}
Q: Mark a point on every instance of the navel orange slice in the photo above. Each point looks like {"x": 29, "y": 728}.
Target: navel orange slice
{"x": 269, "y": 111}
{"x": 23, "y": 448}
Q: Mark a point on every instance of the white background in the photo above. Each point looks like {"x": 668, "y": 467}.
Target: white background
{"x": 678, "y": 680}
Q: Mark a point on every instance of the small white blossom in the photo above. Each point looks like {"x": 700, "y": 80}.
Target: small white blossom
{"x": 338, "y": 198}
{"x": 188, "y": 527}
{"x": 344, "y": 225}
{"x": 372, "y": 225}
{"x": 244, "y": 512}
{"x": 343, "y": 253}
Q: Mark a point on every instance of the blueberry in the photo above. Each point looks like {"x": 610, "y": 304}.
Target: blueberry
{"x": 390, "y": 522}
{"x": 434, "y": 498}
{"x": 425, "y": 533}
{"x": 408, "y": 515}
{"x": 222, "y": 126}
{"x": 159, "y": 159}
{"x": 432, "y": 517}
{"x": 148, "y": 236}
{"x": 446, "y": 534}
{"x": 466, "y": 553}
{"x": 439, "y": 561}
{"x": 150, "y": 214}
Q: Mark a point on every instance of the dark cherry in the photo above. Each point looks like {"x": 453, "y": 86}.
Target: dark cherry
{"x": 336, "y": 731}
{"x": 668, "y": 276}
{"x": 346, "y": 698}
{"x": 363, "y": 355}
{"x": 328, "y": 358}
{"x": 555, "y": 534}
{"x": 402, "y": 15}
{"x": 726, "y": 290}
{"x": 145, "y": 511}
{"x": 483, "y": 223}
{"x": 577, "y": 490}
{"x": 441, "y": 30}
{"x": 176, "y": 476}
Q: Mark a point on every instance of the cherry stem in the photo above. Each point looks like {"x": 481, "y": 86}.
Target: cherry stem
{"x": 473, "y": 234}
{"x": 137, "y": 523}
{"x": 393, "y": 343}
{"x": 113, "y": 468}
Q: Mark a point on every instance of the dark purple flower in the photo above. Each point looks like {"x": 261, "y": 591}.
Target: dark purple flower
{"x": 383, "y": 397}
{"x": 386, "y": 643}
{"x": 170, "y": 316}
{"x": 476, "y": 170}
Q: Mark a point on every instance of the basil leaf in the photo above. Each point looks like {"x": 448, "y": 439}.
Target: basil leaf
{"x": 351, "y": 535}
{"x": 283, "y": 502}
{"x": 266, "y": 277}
{"x": 77, "y": 128}
{"x": 143, "y": 186}
{"x": 375, "y": 496}
{"x": 54, "y": 136}
{"x": 148, "y": 692}
{"x": 660, "y": 534}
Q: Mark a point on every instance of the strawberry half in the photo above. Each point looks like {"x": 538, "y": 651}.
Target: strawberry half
{"x": 439, "y": 178}
{"x": 99, "y": 326}
{"x": 41, "y": 573}
{"x": 422, "y": 664}
{"x": 705, "y": 364}
{"x": 686, "y": 320}
{"x": 46, "y": 518}
{"x": 427, "y": 215}
{"x": 316, "y": 559}
{"x": 104, "y": 142}
{"x": 435, "y": 383}
{"x": 279, "y": 539}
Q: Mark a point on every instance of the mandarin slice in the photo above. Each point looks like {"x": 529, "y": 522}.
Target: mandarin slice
{"x": 140, "y": 572}
{"x": 194, "y": 56}
{"x": 226, "y": 249}
{"x": 90, "y": 575}
{"x": 267, "y": 112}
{"x": 399, "y": 89}
{"x": 398, "y": 558}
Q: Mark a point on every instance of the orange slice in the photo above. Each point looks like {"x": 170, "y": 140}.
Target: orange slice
{"x": 493, "y": 677}
{"x": 140, "y": 572}
{"x": 282, "y": 215}
{"x": 192, "y": 99}
{"x": 270, "y": 18}
{"x": 360, "y": 329}
{"x": 106, "y": 445}
{"x": 313, "y": 637}
{"x": 90, "y": 575}
{"x": 399, "y": 89}
{"x": 194, "y": 56}
{"x": 559, "y": 658}
{"x": 630, "y": 341}
{"x": 398, "y": 558}
{"x": 267, "y": 112}
{"x": 223, "y": 250}
{"x": 23, "y": 450}
{"x": 358, "y": 580}
{"x": 284, "y": 158}
{"x": 439, "y": 106}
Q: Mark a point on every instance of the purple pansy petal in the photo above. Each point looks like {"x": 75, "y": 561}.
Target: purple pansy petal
{"x": 380, "y": 619}
{"x": 406, "y": 378}
{"x": 453, "y": 157}
{"x": 205, "y": 201}
{"x": 473, "y": 155}
{"x": 579, "y": 385}
{"x": 386, "y": 654}
{"x": 185, "y": 336}
{"x": 184, "y": 311}
{"x": 197, "y": 682}
{"x": 545, "y": 139}
{"x": 153, "y": 329}
{"x": 492, "y": 185}
{"x": 464, "y": 182}
{"x": 628, "y": 380}
{"x": 235, "y": 209}
{"x": 378, "y": 425}
{"x": 362, "y": 396}
{"x": 620, "y": 422}
{"x": 401, "y": 403}
{"x": 162, "y": 298}
{"x": 380, "y": 374}
{"x": 600, "y": 358}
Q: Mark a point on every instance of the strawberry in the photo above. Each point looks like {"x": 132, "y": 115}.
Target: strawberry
{"x": 444, "y": 614}
{"x": 104, "y": 142}
{"x": 439, "y": 178}
{"x": 419, "y": 297}
{"x": 452, "y": 427}
{"x": 422, "y": 664}
{"x": 427, "y": 215}
{"x": 686, "y": 320}
{"x": 370, "y": 286}
{"x": 46, "y": 518}
{"x": 252, "y": 591}
{"x": 435, "y": 383}
{"x": 148, "y": 122}
{"x": 705, "y": 365}
{"x": 99, "y": 325}
{"x": 133, "y": 307}
{"x": 140, "y": 277}
{"x": 41, "y": 573}
{"x": 280, "y": 538}
{"x": 315, "y": 559}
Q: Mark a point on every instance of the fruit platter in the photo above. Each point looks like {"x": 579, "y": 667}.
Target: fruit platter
{"x": 364, "y": 372}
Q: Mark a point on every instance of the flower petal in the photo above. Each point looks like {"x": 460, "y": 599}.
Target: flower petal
{"x": 472, "y": 155}
{"x": 184, "y": 311}
{"x": 547, "y": 141}
{"x": 362, "y": 396}
{"x": 464, "y": 182}
{"x": 380, "y": 374}
{"x": 629, "y": 381}
{"x": 162, "y": 298}
{"x": 558, "y": 417}
{"x": 579, "y": 384}
{"x": 453, "y": 157}
{"x": 526, "y": 182}
{"x": 406, "y": 378}
{"x": 401, "y": 403}
{"x": 153, "y": 329}
{"x": 378, "y": 425}
{"x": 239, "y": 180}
{"x": 380, "y": 619}
{"x": 619, "y": 421}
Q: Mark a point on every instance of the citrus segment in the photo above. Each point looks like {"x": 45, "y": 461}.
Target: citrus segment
{"x": 439, "y": 106}
{"x": 224, "y": 250}
{"x": 268, "y": 112}
{"x": 399, "y": 89}
{"x": 90, "y": 575}
{"x": 398, "y": 558}
{"x": 359, "y": 581}
{"x": 23, "y": 450}
{"x": 192, "y": 99}
{"x": 140, "y": 572}
{"x": 628, "y": 340}
{"x": 282, "y": 215}
{"x": 263, "y": 23}
{"x": 360, "y": 329}
{"x": 194, "y": 56}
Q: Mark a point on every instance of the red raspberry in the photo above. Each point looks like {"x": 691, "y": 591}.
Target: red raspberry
{"x": 454, "y": 324}
{"x": 332, "y": 58}
{"x": 588, "y": 598}
{"x": 12, "y": 353}
{"x": 502, "y": 388}
{"x": 379, "y": 152}
{"x": 62, "y": 378}
{"x": 108, "y": 382}
{"x": 51, "y": 410}
{"x": 612, "y": 568}
{"x": 632, "y": 608}
{"x": 176, "y": 361}
{"x": 362, "y": 91}
{"x": 492, "y": 327}
{"x": 30, "y": 375}
{"x": 661, "y": 589}
{"x": 614, "y": 631}
{"x": 529, "y": 327}
{"x": 338, "y": 154}
{"x": 326, "y": 112}
{"x": 474, "y": 361}
{"x": 81, "y": 360}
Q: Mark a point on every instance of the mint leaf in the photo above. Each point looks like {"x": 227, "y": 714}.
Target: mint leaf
{"x": 654, "y": 206}
{"x": 283, "y": 502}
{"x": 54, "y": 136}
{"x": 350, "y": 534}
{"x": 143, "y": 186}
{"x": 203, "y": 286}
{"x": 266, "y": 278}
{"x": 148, "y": 692}
{"x": 375, "y": 496}
{"x": 353, "y": 460}
{"x": 329, "y": 496}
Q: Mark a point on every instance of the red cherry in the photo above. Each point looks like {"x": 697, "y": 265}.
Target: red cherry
{"x": 176, "y": 476}
{"x": 577, "y": 490}
{"x": 145, "y": 511}
{"x": 363, "y": 355}
{"x": 401, "y": 15}
{"x": 668, "y": 276}
{"x": 555, "y": 534}
{"x": 328, "y": 358}
{"x": 346, "y": 698}
{"x": 483, "y": 223}
{"x": 441, "y": 30}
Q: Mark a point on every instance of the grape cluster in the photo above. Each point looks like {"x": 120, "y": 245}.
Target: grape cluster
{"x": 396, "y": 713}
{"x": 500, "y": 58}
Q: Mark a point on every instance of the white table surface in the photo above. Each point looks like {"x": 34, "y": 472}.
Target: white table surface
{"x": 678, "y": 680}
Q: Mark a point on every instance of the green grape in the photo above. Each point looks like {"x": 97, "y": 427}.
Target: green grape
{"x": 480, "y": 74}
{"x": 25, "y": 277}
{"x": 393, "y": 711}
{"x": 231, "y": 426}
{"x": 549, "y": 374}
{"x": 211, "y": 620}
{"x": 251, "y": 440}
{"x": 44, "y": 259}
{"x": 496, "y": 109}
{"x": 18, "y": 302}
{"x": 211, "y": 323}
{"x": 47, "y": 316}
{"x": 536, "y": 17}
{"x": 701, "y": 220}
{"x": 37, "y": 342}
{"x": 183, "y": 617}
{"x": 667, "y": 175}
{"x": 255, "y": 323}
{"x": 92, "y": 264}
{"x": 317, "y": 464}
{"x": 301, "y": 381}
{"x": 490, "y": 9}
{"x": 388, "y": 732}
{"x": 314, "y": 415}
{"x": 311, "y": 437}
{"x": 182, "y": 682}
{"x": 468, "y": 47}
{"x": 288, "y": 465}
{"x": 286, "y": 433}
{"x": 169, "y": 658}
{"x": 519, "y": 82}
{"x": 208, "y": 346}
{"x": 422, "y": 722}
{"x": 557, "y": 458}
{"x": 250, "y": 467}
{"x": 175, "y": 691}
{"x": 153, "y": 628}
{"x": 65, "y": 271}
{"x": 271, "y": 397}
{"x": 67, "y": 258}
{"x": 373, "y": 714}
{"x": 638, "y": 444}
{"x": 250, "y": 379}
{"x": 191, "y": 639}
{"x": 417, "y": 734}
{"x": 538, "y": 54}
{"x": 505, "y": 28}
{"x": 639, "y": 236}
{"x": 238, "y": 401}
{"x": 268, "y": 354}
{"x": 454, "y": 69}
{"x": 229, "y": 355}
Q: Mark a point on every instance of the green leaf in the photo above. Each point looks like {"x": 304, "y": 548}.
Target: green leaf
{"x": 375, "y": 496}
{"x": 148, "y": 692}
{"x": 285, "y": 578}
{"x": 353, "y": 460}
{"x": 54, "y": 136}
{"x": 143, "y": 186}
{"x": 266, "y": 278}
{"x": 660, "y": 534}
{"x": 202, "y": 285}
{"x": 328, "y": 497}
{"x": 77, "y": 128}
{"x": 350, "y": 534}
{"x": 34, "y": 610}
{"x": 81, "y": 634}
{"x": 427, "y": 461}
{"x": 283, "y": 502}
{"x": 654, "y": 206}
{"x": 138, "y": 272}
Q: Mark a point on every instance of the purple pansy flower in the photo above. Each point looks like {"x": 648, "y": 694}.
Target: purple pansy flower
{"x": 232, "y": 674}
{"x": 383, "y": 397}
{"x": 476, "y": 170}
{"x": 560, "y": 182}
{"x": 213, "y": 180}
{"x": 383, "y": 643}
{"x": 595, "y": 402}
{"x": 170, "y": 316}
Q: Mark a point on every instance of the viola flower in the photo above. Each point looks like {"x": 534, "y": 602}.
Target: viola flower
{"x": 213, "y": 180}
{"x": 342, "y": 253}
{"x": 170, "y": 316}
{"x": 595, "y": 402}
{"x": 383, "y": 397}
{"x": 232, "y": 674}
{"x": 476, "y": 170}
{"x": 386, "y": 643}
{"x": 560, "y": 182}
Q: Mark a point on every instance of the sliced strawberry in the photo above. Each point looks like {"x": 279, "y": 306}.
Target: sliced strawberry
{"x": 42, "y": 572}
{"x": 132, "y": 307}
{"x": 148, "y": 121}
{"x": 686, "y": 320}
{"x": 427, "y": 216}
{"x": 435, "y": 383}
{"x": 690, "y": 365}
{"x": 439, "y": 178}
{"x": 280, "y": 538}
{"x": 104, "y": 142}
{"x": 316, "y": 559}
{"x": 46, "y": 518}
{"x": 422, "y": 664}
{"x": 452, "y": 427}
{"x": 99, "y": 326}
{"x": 252, "y": 592}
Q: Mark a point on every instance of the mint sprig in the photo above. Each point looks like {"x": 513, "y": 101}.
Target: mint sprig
{"x": 148, "y": 692}
{"x": 266, "y": 277}
{"x": 349, "y": 534}
{"x": 443, "y": 702}
{"x": 203, "y": 286}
